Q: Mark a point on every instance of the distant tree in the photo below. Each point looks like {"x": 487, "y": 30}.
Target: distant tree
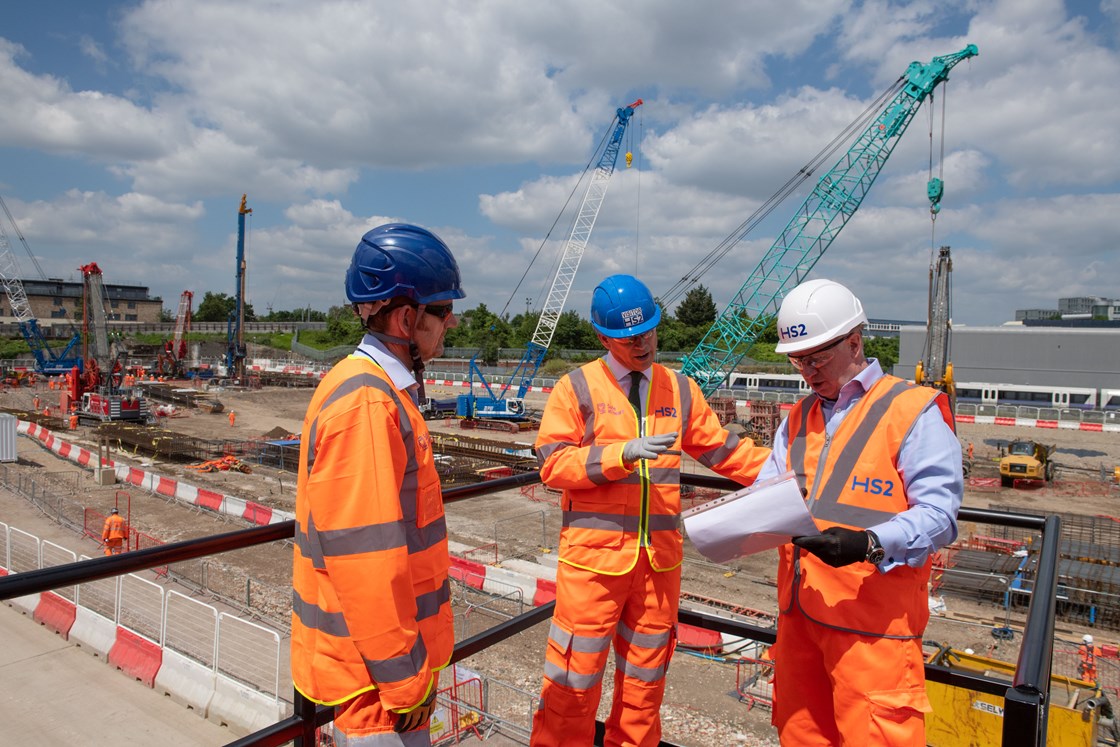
{"x": 343, "y": 326}
{"x": 697, "y": 309}
{"x": 216, "y": 307}
{"x": 574, "y": 333}
{"x": 883, "y": 348}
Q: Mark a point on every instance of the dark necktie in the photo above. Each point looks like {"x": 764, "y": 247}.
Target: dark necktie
{"x": 635, "y": 392}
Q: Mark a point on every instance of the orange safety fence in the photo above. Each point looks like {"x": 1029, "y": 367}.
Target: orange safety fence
{"x": 754, "y": 682}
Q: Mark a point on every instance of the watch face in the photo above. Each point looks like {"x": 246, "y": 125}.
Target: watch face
{"x": 875, "y": 557}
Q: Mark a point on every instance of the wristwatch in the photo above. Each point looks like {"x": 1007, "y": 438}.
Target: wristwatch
{"x": 875, "y": 551}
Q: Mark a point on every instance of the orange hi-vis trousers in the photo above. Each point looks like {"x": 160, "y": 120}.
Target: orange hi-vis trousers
{"x": 839, "y": 689}
{"x": 637, "y": 611}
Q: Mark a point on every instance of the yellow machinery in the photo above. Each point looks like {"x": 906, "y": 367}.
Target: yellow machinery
{"x": 1026, "y": 460}
{"x": 967, "y": 718}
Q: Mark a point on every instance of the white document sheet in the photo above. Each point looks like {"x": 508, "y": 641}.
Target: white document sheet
{"x": 750, "y": 520}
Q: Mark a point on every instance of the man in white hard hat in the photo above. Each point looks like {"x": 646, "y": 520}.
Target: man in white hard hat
{"x": 880, "y": 466}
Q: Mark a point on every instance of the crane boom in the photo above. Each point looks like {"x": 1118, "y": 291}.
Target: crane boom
{"x": 817, "y": 222}
{"x": 496, "y": 405}
{"x": 47, "y": 361}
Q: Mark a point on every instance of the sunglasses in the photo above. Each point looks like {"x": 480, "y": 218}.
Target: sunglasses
{"x": 440, "y": 312}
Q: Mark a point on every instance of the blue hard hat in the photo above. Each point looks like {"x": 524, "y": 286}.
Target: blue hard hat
{"x": 622, "y": 306}
{"x": 400, "y": 259}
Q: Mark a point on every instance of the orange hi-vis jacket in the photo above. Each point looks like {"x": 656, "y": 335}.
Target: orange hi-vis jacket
{"x": 860, "y": 487}
{"x": 371, "y": 604}
{"x": 611, "y": 511}
{"x": 114, "y": 528}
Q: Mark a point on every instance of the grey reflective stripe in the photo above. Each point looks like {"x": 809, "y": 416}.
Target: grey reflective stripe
{"x": 584, "y": 644}
{"x": 602, "y": 521}
{"x": 307, "y": 540}
{"x": 645, "y": 674}
{"x": 670, "y": 476}
{"x": 645, "y": 640}
{"x": 797, "y": 446}
{"x": 618, "y": 522}
{"x": 720, "y": 453}
{"x": 313, "y": 616}
{"x": 357, "y": 540}
{"x": 399, "y": 667}
{"x": 544, "y": 451}
{"x": 415, "y": 738}
{"x": 571, "y": 679}
{"x": 686, "y": 398}
{"x": 582, "y": 392}
{"x": 828, "y": 506}
{"x": 428, "y": 605}
{"x": 594, "y": 465}
{"x": 664, "y": 522}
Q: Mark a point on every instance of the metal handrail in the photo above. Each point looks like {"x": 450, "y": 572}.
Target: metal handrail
{"x": 1026, "y": 701}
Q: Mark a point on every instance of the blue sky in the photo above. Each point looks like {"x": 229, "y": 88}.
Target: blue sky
{"x": 129, "y": 131}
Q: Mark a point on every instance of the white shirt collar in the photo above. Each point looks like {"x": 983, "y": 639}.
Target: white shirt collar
{"x": 401, "y": 377}
{"x": 621, "y": 372}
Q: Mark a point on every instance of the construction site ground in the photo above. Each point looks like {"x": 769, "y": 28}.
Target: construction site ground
{"x": 701, "y": 707}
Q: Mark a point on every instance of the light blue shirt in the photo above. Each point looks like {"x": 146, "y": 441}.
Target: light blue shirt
{"x": 928, "y": 461}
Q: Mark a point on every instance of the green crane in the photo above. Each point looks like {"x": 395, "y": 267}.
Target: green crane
{"x": 820, "y": 218}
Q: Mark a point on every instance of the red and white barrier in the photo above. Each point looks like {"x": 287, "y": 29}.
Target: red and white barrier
{"x": 251, "y": 511}
{"x": 55, "y": 612}
{"x": 1036, "y": 423}
{"x": 137, "y": 656}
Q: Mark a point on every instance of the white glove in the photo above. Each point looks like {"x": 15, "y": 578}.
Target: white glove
{"x": 647, "y": 447}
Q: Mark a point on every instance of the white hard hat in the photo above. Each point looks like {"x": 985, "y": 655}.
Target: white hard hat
{"x": 816, "y": 312}
{"x": 1086, "y": 638}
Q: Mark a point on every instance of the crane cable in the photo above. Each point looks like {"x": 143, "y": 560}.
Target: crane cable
{"x": 638, "y": 207}
{"x": 709, "y": 261}
{"x": 544, "y": 241}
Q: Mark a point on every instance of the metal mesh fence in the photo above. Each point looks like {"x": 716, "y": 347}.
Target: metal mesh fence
{"x": 141, "y": 609}
{"x": 249, "y": 653}
{"x": 191, "y": 628}
{"x": 53, "y": 554}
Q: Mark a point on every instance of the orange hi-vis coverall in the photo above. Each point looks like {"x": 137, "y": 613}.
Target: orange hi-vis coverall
{"x": 114, "y": 532}
{"x": 371, "y": 608}
{"x": 848, "y": 658}
{"x": 620, "y": 546}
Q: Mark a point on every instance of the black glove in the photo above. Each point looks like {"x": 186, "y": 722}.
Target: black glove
{"x": 837, "y": 546}
{"x": 417, "y": 717}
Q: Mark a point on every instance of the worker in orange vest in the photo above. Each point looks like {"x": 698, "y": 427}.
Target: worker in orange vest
{"x": 970, "y": 451}
{"x": 611, "y": 438}
{"x": 114, "y": 533}
{"x": 1087, "y": 667}
{"x": 880, "y": 466}
{"x": 35, "y": 402}
{"x": 232, "y": 417}
{"x": 371, "y": 608}
{"x": 73, "y": 421}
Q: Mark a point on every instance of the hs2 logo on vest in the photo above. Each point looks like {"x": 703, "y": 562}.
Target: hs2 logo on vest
{"x": 875, "y": 486}
{"x": 792, "y": 331}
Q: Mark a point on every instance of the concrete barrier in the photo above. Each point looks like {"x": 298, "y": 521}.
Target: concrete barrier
{"x": 93, "y": 632}
{"x": 186, "y": 681}
{"x": 242, "y": 709}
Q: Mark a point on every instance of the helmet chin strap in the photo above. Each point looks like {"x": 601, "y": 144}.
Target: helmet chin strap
{"x": 413, "y": 352}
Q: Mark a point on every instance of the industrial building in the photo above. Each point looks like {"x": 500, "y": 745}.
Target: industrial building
{"x": 56, "y": 299}
{"x": 1043, "y": 356}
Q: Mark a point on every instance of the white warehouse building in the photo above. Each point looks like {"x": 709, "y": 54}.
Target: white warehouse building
{"x": 1042, "y": 356}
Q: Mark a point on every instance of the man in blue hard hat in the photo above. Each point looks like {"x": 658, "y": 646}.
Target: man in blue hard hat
{"x": 611, "y": 438}
{"x": 371, "y": 606}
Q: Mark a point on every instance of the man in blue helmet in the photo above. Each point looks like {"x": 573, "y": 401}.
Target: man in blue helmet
{"x": 371, "y": 603}
{"x": 611, "y": 438}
